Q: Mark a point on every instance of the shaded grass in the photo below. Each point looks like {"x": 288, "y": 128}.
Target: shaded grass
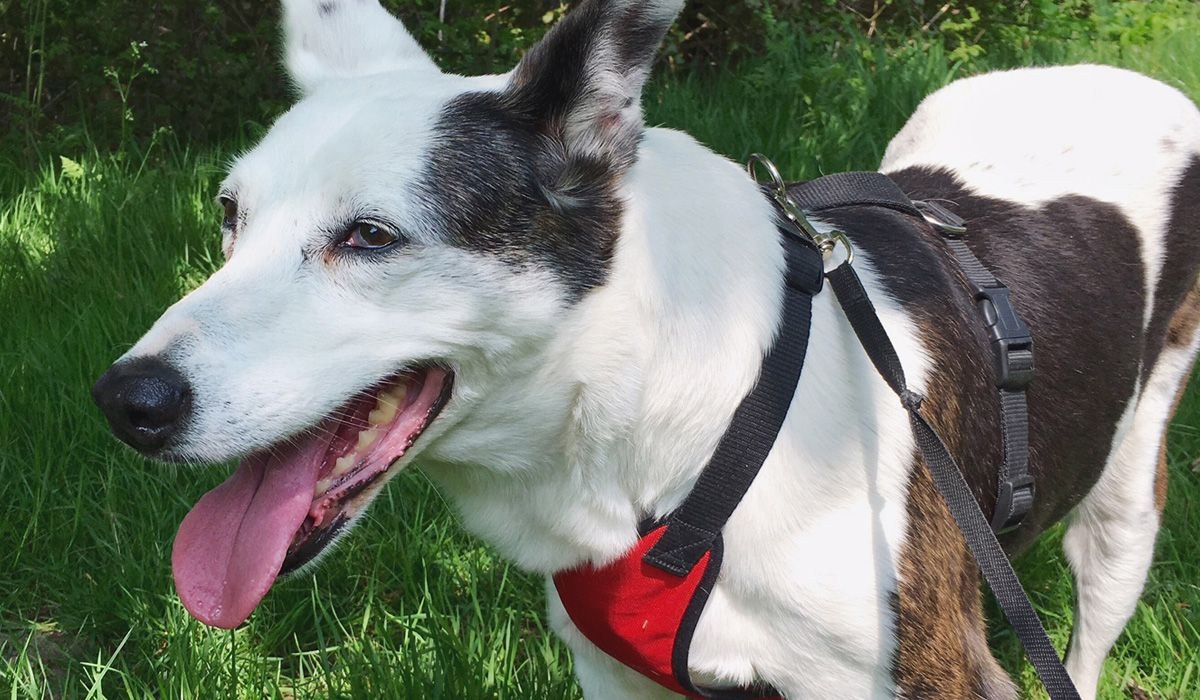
{"x": 409, "y": 606}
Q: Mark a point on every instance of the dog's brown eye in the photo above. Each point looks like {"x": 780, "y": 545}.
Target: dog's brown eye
{"x": 231, "y": 212}
{"x": 369, "y": 236}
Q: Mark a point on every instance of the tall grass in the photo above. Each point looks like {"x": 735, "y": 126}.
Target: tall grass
{"x": 93, "y": 249}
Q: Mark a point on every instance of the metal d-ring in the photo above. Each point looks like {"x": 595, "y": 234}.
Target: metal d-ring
{"x": 827, "y": 242}
{"x": 757, "y": 159}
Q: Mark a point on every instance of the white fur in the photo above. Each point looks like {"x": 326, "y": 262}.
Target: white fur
{"x": 329, "y": 40}
{"x": 571, "y": 423}
{"x": 1110, "y": 540}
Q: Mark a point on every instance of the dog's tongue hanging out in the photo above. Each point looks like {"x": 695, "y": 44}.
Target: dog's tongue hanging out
{"x": 283, "y": 505}
{"x": 231, "y": 546}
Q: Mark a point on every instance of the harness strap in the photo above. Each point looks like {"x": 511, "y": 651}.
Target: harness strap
{"x": 858, "y": 189}
{"x": 1012, "y": 343}
{"x": 977, "y": 532}
{"x": 696, "y": 524}
{"x": 691, "y": 535}
{"x": 1012, "y": 352}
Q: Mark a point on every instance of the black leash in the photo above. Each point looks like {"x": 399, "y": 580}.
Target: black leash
{"x": 976, "y": 529}
{"x": 1013, "y": 352}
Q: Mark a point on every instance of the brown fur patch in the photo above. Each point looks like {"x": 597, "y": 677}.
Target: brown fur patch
{"x": 1183, "y": 328}
{"x": 1160, "y": 479}
{"x": 1186, "y": 321}
{"x": 943, "y": 649}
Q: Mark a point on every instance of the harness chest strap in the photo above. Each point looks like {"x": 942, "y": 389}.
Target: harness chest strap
{"x": 643, "y": 608}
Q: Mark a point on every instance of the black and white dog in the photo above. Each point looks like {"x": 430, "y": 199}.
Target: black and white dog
{"x": 556, "y": 310}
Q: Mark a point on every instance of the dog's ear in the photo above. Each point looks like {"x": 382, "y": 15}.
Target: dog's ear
{"x": 331, "y": 39}
{"x": 582, "y": 84}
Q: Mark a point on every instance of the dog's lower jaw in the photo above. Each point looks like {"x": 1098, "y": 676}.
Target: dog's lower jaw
{"x": 522, "y": 494}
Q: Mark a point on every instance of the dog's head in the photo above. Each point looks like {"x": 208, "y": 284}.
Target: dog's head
{"x": 397, "y": 248}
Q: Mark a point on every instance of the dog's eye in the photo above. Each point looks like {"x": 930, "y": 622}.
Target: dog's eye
{"x": 231, "y": 212}
{"x": 369, "y": 236}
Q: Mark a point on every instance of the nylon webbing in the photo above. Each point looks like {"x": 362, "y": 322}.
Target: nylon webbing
{"x": 692, "y": 528}
{"x": 1014, "y": 486}
{"x": 852, "y": 189}
{"x": 1015, "y": 489}
{"x": 948, "y": 478}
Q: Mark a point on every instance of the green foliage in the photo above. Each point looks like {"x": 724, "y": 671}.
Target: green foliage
{"x": 107, "y": 72}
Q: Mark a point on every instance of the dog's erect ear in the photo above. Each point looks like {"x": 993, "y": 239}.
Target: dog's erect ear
{"x": 582, "y": 83}
{"x": 331, "y": 39}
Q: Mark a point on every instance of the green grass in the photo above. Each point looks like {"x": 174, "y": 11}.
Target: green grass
{"x": 409, "y": 607}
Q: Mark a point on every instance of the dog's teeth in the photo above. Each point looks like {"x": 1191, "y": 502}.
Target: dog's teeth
{"x": 323, "y": 486}
{"x": 367, "y": 438}
{"x": 343, "y": 465}
{"x": 384, "y": 413}
{"x": 387, "y": 405}
{"x": 396, "y": 395}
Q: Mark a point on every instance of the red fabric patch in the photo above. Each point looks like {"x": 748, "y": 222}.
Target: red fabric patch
{"x": 631, "y": 610}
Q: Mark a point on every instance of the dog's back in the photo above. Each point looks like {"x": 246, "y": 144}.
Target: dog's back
{"x": 1081, "y": 191}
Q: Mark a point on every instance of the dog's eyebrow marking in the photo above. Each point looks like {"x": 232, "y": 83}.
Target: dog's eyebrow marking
{"x": 326, "y": 8}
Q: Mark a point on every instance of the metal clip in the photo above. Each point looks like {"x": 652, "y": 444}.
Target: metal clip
{"x": 827, "y": 242}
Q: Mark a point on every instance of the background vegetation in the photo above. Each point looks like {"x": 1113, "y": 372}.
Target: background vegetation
{"x": 81, "y": 73}
{"x": 118, "y": 118}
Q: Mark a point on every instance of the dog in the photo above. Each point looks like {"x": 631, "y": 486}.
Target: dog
{"x": 555, "y": 310}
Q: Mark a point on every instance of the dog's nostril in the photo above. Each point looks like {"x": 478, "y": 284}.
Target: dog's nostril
{"x": 153, "y": 402}
{"x": 145, "y": 401}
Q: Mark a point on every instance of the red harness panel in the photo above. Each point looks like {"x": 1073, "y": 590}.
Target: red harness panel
{"x": 633, "y": 611}
{"x": 643, "y": 616}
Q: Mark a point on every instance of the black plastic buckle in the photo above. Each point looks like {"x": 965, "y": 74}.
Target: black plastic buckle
{"x": 1013, "y": 501}
{"x": 1009, "y": 335}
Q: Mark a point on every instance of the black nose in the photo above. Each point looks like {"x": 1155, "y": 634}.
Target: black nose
{"x": 145, "y": 401}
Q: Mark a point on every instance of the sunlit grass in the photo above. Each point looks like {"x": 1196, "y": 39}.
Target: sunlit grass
{"x": 409, "y": 606}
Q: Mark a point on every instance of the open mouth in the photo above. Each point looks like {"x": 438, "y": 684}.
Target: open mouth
{"x": 284, "y": 505}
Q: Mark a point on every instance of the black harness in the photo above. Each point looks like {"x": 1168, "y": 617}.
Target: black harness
{"x": 691, "y": 535}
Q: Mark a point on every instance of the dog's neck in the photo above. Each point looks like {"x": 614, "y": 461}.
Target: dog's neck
{"x": 638, "y": 386}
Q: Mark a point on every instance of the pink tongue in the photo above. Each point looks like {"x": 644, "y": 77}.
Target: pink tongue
{"x": 231, "y": 546}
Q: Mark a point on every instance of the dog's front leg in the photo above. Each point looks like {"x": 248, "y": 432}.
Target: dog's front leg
{"x": 600, "y": 676}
